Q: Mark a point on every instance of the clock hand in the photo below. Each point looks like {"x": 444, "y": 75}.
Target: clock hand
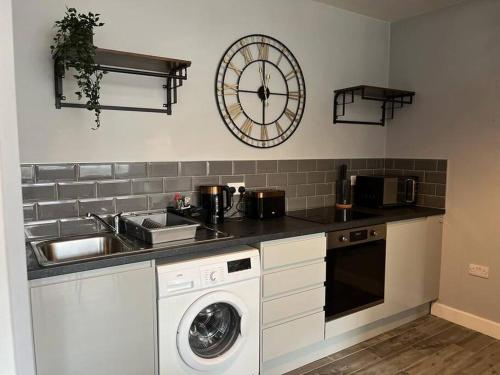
{"x": 268, "y": 78}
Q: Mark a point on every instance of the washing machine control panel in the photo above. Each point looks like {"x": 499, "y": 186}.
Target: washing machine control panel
{"x": 213, "y": 274}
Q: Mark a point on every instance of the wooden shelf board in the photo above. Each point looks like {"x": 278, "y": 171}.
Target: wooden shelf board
{"x": 108, "y": 57}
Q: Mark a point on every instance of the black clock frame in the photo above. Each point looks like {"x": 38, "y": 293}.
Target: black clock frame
{"x": 296, "y": 67}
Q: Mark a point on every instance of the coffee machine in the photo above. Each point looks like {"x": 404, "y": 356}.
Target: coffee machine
{"x": 215, "y": 200}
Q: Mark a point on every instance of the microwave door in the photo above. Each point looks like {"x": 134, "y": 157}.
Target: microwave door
{"x": 390, "y": 191}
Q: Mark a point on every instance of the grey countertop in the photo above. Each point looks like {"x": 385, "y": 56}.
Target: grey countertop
{"x": 244, "y": 232}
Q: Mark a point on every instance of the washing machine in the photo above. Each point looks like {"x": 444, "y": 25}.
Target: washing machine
{"x": 208, "y": 315}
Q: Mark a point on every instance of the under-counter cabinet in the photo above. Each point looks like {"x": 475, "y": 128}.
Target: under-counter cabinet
{"x": 100, "y": 322}
{"x": 293, "y": 294}
{"x": 413, "y": 262}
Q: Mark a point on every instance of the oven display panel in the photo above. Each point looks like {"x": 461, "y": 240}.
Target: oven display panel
{"x": 358, "y": 235}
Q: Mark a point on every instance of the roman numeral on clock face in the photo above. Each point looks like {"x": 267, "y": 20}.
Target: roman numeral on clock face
{"x": 233, "y": 111}
{"x": 228, "y": 89}
{"x": 263, "y": 51}
{"x": 279, "y": 129}
{"x": 293, "y": 95}
{"x": 290, "y": 75}
{"x": 246, "y": 128}
{"x": 290, "y": 114}
{"x": 263, "y": 133}
{"x": 233, "y": 67}
{"x": 247, "y": 54}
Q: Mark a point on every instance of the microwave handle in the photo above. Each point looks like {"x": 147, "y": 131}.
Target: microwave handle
{"x": 413, "y": 190}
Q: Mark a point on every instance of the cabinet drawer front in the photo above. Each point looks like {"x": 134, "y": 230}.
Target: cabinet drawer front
{"x": 293, "y": 335}
{"x": 293, "y": 305}
{"x": 292, "y": 279}
{"x": 292, "y": 252}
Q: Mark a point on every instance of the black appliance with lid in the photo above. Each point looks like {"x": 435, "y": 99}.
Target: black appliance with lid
{"x": 215, "y": 200}
{"x": 264, "y": 204}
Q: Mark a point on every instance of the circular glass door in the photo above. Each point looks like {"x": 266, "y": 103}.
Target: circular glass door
{"x": 214, "y": 330}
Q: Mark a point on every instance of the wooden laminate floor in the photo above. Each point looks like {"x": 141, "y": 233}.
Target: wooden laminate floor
{"x": 428, "y": 345}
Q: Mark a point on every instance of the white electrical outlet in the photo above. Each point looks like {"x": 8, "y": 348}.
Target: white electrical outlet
{"x": 236, "y": 185}
{"x": 479, "y": 271}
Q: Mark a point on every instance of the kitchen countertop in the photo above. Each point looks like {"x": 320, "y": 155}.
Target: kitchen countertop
{"x": 244, "y": 232}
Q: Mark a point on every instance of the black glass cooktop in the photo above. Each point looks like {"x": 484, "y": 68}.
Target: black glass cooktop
{"x": 329, "y": 215}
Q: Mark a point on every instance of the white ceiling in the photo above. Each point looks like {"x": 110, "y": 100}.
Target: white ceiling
{"x": 391, "y": 10}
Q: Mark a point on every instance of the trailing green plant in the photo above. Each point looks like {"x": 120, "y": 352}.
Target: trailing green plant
{"x": 74, "y": 48}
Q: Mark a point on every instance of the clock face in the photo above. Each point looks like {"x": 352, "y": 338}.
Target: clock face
{"x": 260, "y": 91}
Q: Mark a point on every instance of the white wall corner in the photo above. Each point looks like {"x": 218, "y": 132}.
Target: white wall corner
{"x": 468, "y": 320}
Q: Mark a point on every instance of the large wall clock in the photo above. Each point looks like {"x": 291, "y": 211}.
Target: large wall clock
{"x": 260, "y": 91}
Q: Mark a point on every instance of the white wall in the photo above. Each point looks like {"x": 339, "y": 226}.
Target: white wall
{"x": 16, "y": 350}
{"x": 335, "y": 48}
{"x": 451, "y": 58}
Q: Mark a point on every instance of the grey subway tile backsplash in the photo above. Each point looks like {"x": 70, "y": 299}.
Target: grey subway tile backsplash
{"x": 224, "y": 180}
{"x": 255, "y": 180}
{"x": 218, "y": 168}
{"x": 325, "y": 164}
{"x": 160, "y": 201}
{"x": 277, "y": 179}
{"x": 426, "y": 165}
{"x": 29, "y": 212}
{"x": 39, "y": 192}
{"x": 69, "y": 190}
{"x": 193, "y": 168}
{"x": 306, "y": 190}
{"x": 27, "y": 174}
{"x": 96, "y": 206}
{"x": 173, "y": 185}
{"x": 267, "y": 166}
{"x": 55, "y": 172}
{"x": 95, "y": 171}
{"x": 132, "y": 203}
{"x": 288, "y": 165}
{"x": 75, "y": 190}
{"x": 436, "y": 177}
{"x": 131, "y": 170}
{"x": 160, "y": 169}
{"x": 147, "y": 186}
{"x": 57, "y": 210}
{"x": 207, "y": 180}
{"x": 244, "y": 167}
{"x": 114, "y": 188}
{"x": 316, "y": 177}
{"x": 404, "y": 164}
{"x": 306, "y": 165}
{"x": 297, "y": 178}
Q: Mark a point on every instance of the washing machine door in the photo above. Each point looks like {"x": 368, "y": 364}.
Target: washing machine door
{"x": 212, "y": 331}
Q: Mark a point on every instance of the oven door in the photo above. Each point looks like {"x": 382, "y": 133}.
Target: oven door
{"x": 355, "y": 278}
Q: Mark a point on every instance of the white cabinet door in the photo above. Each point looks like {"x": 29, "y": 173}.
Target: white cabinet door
{"x": 412, "y": 263}
{"x": 102, "y": 324}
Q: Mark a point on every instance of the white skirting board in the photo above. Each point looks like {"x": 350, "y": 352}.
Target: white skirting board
{"x": 488, "y": 327}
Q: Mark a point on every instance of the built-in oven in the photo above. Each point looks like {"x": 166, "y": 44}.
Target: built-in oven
{"x": 355, "y": 270}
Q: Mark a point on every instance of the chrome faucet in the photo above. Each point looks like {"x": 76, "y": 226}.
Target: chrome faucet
{"x": 116, "y": 221}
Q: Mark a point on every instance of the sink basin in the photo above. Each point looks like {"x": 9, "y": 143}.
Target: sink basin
{"x": 80, "y": 248}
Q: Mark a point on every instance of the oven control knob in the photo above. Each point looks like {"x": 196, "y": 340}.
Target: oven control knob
{"x": 374, "y": 233}
{"x": 343, "y": 238}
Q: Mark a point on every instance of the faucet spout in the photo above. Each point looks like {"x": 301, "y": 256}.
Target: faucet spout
{"x": 114, "y": 229}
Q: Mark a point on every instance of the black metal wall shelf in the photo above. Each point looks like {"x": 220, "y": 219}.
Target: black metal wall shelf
{"x": 173, "y": 70}
{"x": 391, "y": 99}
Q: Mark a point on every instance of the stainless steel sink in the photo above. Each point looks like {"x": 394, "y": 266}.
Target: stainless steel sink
{"x": 80, "y": 248}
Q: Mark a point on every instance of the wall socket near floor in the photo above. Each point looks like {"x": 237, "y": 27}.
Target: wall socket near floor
{"x": 236, "y": 185}
{"x": 479, "y": 271}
